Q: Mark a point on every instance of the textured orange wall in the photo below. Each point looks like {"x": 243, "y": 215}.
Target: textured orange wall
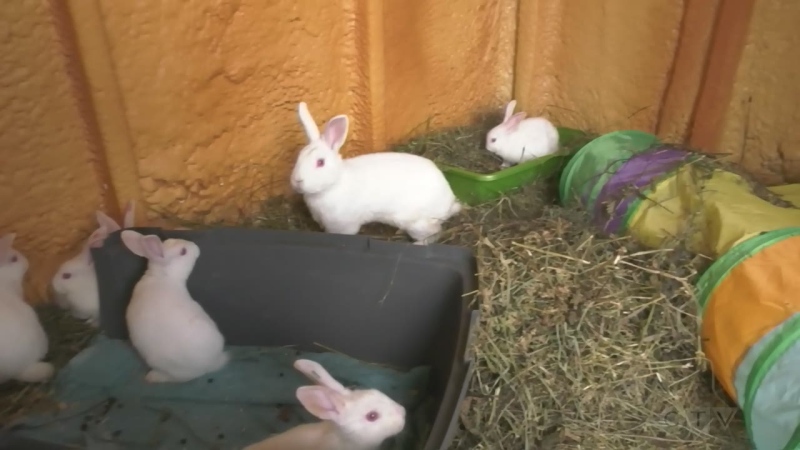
{"x": 614, "y": 64}
{"x": 208, "y": 91}
{"x": 48, "y": 182}
{"x": 760, "y": 125}
{"x": 445, "y": 62}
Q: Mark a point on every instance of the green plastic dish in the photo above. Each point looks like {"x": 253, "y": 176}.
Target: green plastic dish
{"x": 589, "y": 170}
{"x": 475, "y": 188}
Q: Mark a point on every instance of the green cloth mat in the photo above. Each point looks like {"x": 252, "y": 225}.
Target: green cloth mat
{"x": 109, "y": 406}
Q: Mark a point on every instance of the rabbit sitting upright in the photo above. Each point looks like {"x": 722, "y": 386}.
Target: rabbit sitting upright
{"x": 399, "y": 189}
{"x": 23, "y": 341}
{"x": 518, "y": 139}
{"x": 351, "y": 419}
{"x": 172, "y": 332}
{"x": 75, "y": 283}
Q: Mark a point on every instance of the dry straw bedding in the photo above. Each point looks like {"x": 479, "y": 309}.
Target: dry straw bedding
{"x": 585, "y": 341}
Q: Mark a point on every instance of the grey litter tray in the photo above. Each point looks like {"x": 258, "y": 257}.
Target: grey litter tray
{"x": 381, "y": 302}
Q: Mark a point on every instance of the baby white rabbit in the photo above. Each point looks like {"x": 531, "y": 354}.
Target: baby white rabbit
{"x": 172, "y": 332}
{"x": 518, "y": 139}
{"x": 75, "y": 283}
{"x": 23, "y": 341}
{"x": 351, "y": 420}
{"x": 399, "y": 189}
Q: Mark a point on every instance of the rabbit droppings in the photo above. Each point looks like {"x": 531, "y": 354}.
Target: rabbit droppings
{"x": 172, "y": 332}
{"x": 399, "y": 189}
{"x": 23, "y": 341}
{"x": 351, "y": 419}
{"x": 74, "y": 285}
{"x": 518, "y": 139}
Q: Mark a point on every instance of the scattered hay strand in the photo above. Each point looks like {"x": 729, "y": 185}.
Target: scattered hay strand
{"x": 585, "y": 341}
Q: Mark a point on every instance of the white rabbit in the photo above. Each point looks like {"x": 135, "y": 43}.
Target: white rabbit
{"x": 399, "y": 189}
{"x": 23, "y": 341}
{"x": 75, "y": 283}
{"x": 518, "y": 139}
{"x": 172, "y": 332}
{"x": 351, "y": 420}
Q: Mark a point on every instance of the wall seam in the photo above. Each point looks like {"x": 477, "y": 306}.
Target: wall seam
{"x": 82, "y": 96}
{"x": 670, "y": 79}
{"x": 725, "y": 49}
{"x": 101, "y": 75}
{"x": 515, "y": 50}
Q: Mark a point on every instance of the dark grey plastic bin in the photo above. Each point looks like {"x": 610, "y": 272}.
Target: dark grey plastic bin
{"x": 378, "y": 301}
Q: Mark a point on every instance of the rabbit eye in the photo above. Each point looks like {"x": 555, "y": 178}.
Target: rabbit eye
{"x": 14, "y": 259}
{"x": 494, "y": 139}
{"x": 320, "y": 162}
{"x": 66, "y": 275}
{"x": 183, "y": 251}
{"x": 372, "y": 416}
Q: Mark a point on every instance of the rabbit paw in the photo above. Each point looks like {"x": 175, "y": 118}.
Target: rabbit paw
{"x": 38, "y": 372}
{"x": 154, "y": 376}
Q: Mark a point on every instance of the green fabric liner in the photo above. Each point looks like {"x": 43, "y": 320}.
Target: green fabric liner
{"x": 776, "y": 347}
{"x": 720, "y": 269}
{"x": 794, "y": 441}
{"x": 651, "y": 187}
{"x": 108, "y": 403}
{"x": 606, "y": 152}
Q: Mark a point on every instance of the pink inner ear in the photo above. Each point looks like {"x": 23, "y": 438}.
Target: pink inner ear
{"x": 97, "y": 237}
{"x": 335, "y": 132}
{"x": 320, "y": 401}
{"x": 152, "y": 247}
{"x": 513, "y": 122}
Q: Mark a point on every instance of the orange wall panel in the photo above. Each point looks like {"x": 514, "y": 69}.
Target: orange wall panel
{"x": 760, "y": 125}
{"x": 597, "y": 65}
{"x": 445, "y": 62}
{"x": 211, "y": 90}
{"x": 48, "y": 186}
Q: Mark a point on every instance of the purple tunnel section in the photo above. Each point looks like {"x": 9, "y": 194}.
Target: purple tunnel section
{"x": 625, "y": 185}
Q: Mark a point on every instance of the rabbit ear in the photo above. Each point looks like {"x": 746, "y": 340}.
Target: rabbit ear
{"x": 509, "y": 109}
{"x": 513, "y": 122}
{"x": 130, "y": 214}
{"x": 153, "y": 247}
{"x": 6, "y": 245}
{"x": 106, "y": 222}
{"x": 97, "y": 237}
{"x": 316, "y": 373}
{"x": 323, "y": 403}
{"x": 312, "y": 132}
{"x": 149, "y": 246}
{"x": 335, "y": 132}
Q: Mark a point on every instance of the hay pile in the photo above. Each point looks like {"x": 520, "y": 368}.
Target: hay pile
{"x": 585, "y": 341}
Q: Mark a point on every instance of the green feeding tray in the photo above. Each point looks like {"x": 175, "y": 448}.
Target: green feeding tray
{"x": 474, "y": 188}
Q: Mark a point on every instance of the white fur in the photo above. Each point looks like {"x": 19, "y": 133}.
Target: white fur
{"x": 518, "y": 139}
{"x": 74, "y": 285}
{"x": 172, "y": 332}
{"x": 23, "y": 341}
{"x": 344, "y": 415}
{"x": 403, "y": 190}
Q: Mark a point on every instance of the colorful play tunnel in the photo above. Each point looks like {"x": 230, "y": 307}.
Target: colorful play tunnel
{"x": 749, "y": 299}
